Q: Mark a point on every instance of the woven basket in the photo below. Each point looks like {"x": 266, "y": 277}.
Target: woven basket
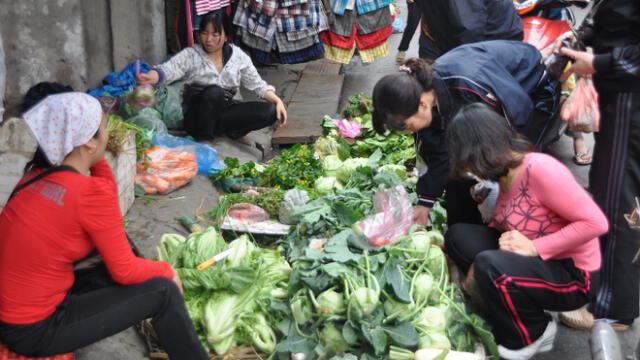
{"x": 156, "y": 352}
{"x": 6, "y": 354}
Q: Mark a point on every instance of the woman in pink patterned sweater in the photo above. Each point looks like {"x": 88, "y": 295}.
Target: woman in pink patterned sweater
{"x": 541, "y": 247}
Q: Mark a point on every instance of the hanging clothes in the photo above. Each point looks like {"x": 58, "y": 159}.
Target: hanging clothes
{"x": 366, "y": 23}
{"x": 352, "y": 30}
{"x": 362, "y": 6}
{"x": 281, "y": 31}
{"x": 205, "y": 6}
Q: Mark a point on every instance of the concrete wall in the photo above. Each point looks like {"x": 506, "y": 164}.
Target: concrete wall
{"x": 75, "y": 42}
{"x": 3, "y": 74}
{"x": 17, "y": 146}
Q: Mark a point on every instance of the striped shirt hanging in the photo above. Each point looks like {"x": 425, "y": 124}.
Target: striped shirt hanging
{"x": 204, "y": 6}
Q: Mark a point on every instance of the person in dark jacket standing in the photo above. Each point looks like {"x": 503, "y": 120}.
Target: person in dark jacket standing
{"x": 421, "y": 99}
{"x": 614, "y": 178}
{"x": 413, "y": 19}
{"x": 450, "y": 23}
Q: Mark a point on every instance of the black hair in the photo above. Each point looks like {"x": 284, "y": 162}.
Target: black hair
{"x": 397, "y": 96}
{"x": 40, "y": 91}
{"x": 482, "y": 142}
{"x": 219, "y": 20}
{"x": 34, "y": 95}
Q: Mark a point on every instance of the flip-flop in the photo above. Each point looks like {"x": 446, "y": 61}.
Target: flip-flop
{"x": 578, "y": 159}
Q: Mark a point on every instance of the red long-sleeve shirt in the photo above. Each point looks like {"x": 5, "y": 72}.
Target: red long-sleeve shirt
{"x": 53, "y": 223}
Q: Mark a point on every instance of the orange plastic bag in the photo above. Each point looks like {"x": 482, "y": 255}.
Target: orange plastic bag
{"x": 166, "y": 169}
{"x": 581, "y": 108}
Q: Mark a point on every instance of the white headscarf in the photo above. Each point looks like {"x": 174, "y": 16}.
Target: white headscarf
{"x": 64, "y": 121}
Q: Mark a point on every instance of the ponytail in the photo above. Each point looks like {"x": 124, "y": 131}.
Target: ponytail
{"x": 397, "y": 96}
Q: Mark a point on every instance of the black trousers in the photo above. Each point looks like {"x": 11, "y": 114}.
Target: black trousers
{"x": 614, "y": 180}
{"x": 427, "y": 48}
{"x": 516, "y": 290}
{"x": 413, "y": 19}
{"x": 461, "y": 208}
{"x": 210, "y": 114}
{"x": 97, "y": 307}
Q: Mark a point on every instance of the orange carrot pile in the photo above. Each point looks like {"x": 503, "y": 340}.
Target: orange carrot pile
{"x": 166, "y": 170}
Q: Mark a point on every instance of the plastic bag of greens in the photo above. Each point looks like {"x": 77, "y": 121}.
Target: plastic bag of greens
{"x": 393, "y": 217}
{"x": 149, "y": 119}
{"x": 169, "y": 105}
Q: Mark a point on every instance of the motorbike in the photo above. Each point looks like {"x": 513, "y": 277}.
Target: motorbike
{"x": 548, "y": 24}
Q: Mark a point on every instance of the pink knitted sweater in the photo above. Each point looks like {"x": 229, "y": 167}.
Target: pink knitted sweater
{"x": 547, "y": 205}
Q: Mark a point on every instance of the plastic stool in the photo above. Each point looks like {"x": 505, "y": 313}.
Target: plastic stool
{"x": 6, "y": 354}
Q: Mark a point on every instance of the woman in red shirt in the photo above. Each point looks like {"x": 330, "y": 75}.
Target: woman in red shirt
{"x": 57, "y": 216}
{"x": 542, "y": 243}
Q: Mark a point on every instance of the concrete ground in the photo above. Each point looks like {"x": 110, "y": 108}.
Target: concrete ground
{"x": 149, "y": 221}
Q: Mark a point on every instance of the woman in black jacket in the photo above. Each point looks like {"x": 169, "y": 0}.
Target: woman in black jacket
{"x": 451, "y": 23}
{"x": 421, "y": 98}
{"x": 614, "y": 178}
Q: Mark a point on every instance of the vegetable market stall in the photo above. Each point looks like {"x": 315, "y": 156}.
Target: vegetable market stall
{"x": 352, "y": 278}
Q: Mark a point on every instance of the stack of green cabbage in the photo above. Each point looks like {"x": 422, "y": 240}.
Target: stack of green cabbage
{"x": 230, "y": 301}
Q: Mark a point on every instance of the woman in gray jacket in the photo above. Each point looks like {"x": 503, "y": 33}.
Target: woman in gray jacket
{"x": 214, "y": 70}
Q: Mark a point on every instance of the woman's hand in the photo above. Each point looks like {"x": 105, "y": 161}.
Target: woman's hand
{"x": 515, "y": 242}
{"x": 151, "y": 77}
{"x": 176, "y": 279}
{"x": 582, "y": 62}
{"x": 421, "y": 215}
{"x": 281, "y": 113}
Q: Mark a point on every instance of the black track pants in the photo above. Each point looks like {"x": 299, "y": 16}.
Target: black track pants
{"x": 614, "y": 180}
{"x": 516, "y": 290}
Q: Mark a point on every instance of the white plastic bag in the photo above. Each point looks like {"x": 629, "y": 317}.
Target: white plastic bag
{"x": 393, "y": 217}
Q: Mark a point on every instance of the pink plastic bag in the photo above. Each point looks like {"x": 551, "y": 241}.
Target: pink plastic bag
{"x": 581, "y": 109}
{"x": 393, "y": 218}
{"x": 247, "y": 213}
{"x": 348, "y": 128}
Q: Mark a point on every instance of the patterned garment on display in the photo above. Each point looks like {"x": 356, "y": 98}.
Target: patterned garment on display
{"x": 362, "y": 6}
{"x": 205, "y": 6}
{"x": 339, "y": 55}
{"x": 366, "y": 24}
{"x": 374, "y": 54}
{"x": 362, "y": 42}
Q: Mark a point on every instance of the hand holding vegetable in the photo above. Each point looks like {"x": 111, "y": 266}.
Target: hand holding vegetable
{"x": 582, "y": 62}
{"x": 517, "y": 243}
{"x": 151, "y": 78}
{"x": 421, "y": 215}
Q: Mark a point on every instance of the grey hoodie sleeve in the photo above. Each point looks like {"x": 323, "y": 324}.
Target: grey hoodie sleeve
{"x": 250, "y": 79}
{"x": 179, "y": 65}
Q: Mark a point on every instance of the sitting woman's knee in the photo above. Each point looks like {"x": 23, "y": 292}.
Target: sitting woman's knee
{"x": 168, "y": 286}
{"x": 487, "y": 262}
